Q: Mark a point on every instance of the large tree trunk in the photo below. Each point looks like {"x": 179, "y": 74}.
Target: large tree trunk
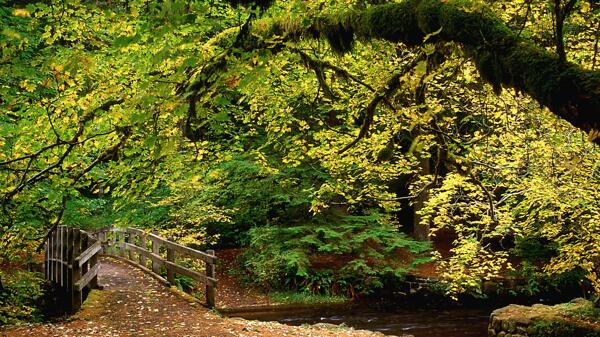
{"x": 502, "y": 58}
{"x": 420, "y": 229}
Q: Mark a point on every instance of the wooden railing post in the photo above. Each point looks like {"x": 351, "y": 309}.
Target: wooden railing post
{"x": 53, "y": 255}
{"x": 56, "y": 268}
{"x": 155, "y": 263}
{"x": 170, "y": 271}
{"x": 63, "y": 256}
{"x": 76, "y": 296}
{"x": 84, "y": 245}
{"x": 57, "y": 259}
{"x": 113, "y": 242}
{"x": 121, "y": 241}
{"x": 143, "y": 245}
{"x": 46, "y": 259}
{"x": 131, "y": 240}
{"x": 102, "y": 239}
{"x": 70, "y": 264}
{"x": 50, "y": 251}
{"x": 93, "y": 261}
{"x": 210, "y": 290}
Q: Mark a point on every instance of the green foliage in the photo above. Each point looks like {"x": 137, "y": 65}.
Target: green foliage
{"x": 89, "y": 213}
{"x": 332, "y": 254}
{"x": 559, "y": 329}
{"x": 540, "y": 282}
{"x": 159, "y": 115}
{"x": 258, "y": 194}
{"x": 305, "y": 298}
{"x": 535, "y": 249}
{"x": 185, "y": 283}
{"x": 588, "y": 313}
{"x": 19, "y": 296}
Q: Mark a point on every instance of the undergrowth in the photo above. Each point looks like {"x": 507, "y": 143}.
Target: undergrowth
{"x": 289, "y": 297}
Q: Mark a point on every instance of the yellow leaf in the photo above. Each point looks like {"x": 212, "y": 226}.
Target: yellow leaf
{"x": 22, "y": 12}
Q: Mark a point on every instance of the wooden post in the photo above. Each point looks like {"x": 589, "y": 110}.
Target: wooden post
{"x": 70, "y": 262}
{"x": 210, "y": 290}
{"x": 63, "y": 256}
{"x": 131, "y": 240}
{"x": 56, "y": 256}
{"x": 93, "y": 261}
{"x": 85, "y": 244}
{"x": 102, "y": 239}
{"x": 46, "y": 258}
{"x": 76, "y": 298}
{"x": 116, "y": 248}
{"x": 49, "y": 248}
{"x": 53, "y": 251}
{"x": 113, "y": 242}
{"x": 143, "y": 245}
{"x": 155, "y": 264}
{"x": 170, "y": 272}
{"x": 121, "y": 239}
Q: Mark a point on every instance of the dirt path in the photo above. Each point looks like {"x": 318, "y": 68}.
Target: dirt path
{"x": 133, "y": 303}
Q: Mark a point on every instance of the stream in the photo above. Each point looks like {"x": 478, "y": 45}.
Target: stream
{"x": 425, "y": 322}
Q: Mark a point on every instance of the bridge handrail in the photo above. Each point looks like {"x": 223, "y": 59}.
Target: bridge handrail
{"x": 129, "y": 242}
{"x": 71, "y": 263}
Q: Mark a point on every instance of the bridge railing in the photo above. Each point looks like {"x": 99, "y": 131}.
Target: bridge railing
{"x": 141, "y": 247}
{"x": 71, "y": 263}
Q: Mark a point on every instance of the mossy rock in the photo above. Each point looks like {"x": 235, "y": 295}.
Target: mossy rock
{"x": 561, "y": 329}
{"x": 547, "y": 321}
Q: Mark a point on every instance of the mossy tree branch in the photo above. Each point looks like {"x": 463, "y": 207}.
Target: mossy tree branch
{"x": 502, "y": 57}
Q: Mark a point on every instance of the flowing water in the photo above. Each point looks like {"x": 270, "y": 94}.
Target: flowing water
{"x": 425, "y": 322}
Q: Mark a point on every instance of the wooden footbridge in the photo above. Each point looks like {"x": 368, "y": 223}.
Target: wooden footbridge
{"x": 72, "y": 260}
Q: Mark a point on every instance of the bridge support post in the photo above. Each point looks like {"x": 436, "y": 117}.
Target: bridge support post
{"x": 131, "y": 240}
{"x": 210, "y": 289}
{"x": 155, "y": 262}
{"x": 64, "y": 241}
{"x": 170, "y": 272}
{"x": 143, "y": 245}
{"x": 121, "y": 242}
{"x": 94, "y": 281}
{"x": 76, "y": 295}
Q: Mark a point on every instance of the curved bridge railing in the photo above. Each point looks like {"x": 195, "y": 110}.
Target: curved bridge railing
{"x": 154, "y": 253}
{"x": 71, "y": 263}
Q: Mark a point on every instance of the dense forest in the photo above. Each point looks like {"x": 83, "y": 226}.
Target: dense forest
{"x": 339, "y": 144}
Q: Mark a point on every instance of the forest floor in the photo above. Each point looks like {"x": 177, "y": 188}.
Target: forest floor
{"x": 233, "y": 292}
{"x": 132, "y": 303}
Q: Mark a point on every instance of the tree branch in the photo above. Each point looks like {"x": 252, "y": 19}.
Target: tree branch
{"x": 383, "y": 93}
{"x": 58, "y": 163}
{"x": 502, "y": 58}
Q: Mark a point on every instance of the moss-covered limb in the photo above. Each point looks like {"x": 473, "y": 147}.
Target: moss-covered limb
{"x": 385, "y": 92}
{"x": 502, "y": 58}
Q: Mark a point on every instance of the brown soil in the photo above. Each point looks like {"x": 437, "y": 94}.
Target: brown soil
{"x": 132, "y": 303}
{"x": 232, "y": 292}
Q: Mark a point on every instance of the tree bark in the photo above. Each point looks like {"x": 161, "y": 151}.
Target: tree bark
{"x": 421, "y": 230}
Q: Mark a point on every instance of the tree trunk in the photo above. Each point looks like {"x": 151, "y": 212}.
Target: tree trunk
{"x": 421, "y": 230}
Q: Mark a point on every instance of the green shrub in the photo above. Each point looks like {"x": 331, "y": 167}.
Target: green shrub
{"x": 306, "y": 298}
{"x": 333, "y": 254}
{"x": 540, "y": 282}
{"x": 20, "y": 292}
